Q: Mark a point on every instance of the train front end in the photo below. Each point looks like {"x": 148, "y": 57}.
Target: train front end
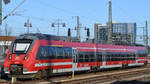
{"x": 20, "y": 57}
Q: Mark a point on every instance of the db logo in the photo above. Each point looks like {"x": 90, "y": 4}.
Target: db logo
{"x": 17, "y": 58}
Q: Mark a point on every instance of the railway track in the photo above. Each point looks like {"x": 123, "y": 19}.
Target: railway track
{"x": 106, "y": 77}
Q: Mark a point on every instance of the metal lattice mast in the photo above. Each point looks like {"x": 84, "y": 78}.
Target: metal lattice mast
{"x": 146, "y": 34}
{"x": 28, "y": 25}
{"x": 78, "y": 28}
{"x": 0, "y": 12}
{"x": 58, "y": 23}
{"x": 110, "y": 24}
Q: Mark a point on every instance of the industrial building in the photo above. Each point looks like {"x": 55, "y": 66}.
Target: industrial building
{"x": 122, "y": 33}
{"x": 5, "y": 42}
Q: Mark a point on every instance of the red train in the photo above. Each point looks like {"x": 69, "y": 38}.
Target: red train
{"x": 31, "y": 55}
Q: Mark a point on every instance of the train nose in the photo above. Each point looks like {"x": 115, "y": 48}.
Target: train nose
{"x": 16, "y": 69}
{"x": 18, "y": 57}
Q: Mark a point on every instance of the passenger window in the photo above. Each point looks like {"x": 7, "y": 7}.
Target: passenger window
{"x": 52, "y": 52}
{"x": 99, "y": 58}
{"x": 92, "y": 57}
{"x": 81, "y": 58}
{"x": 107, "y": 57}
{"x": 67, "y": 53}
{"x": 42, "y": 52}
{"x": 59, "y": 53}
{"x": 87, "y": 58}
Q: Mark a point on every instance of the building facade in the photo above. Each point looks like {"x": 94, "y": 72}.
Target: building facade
{"x": 100, "y": 33}
{"x": 5, "y": 42}
{"x": 122, "y": 33}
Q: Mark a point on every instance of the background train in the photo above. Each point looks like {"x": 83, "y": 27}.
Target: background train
{"x": 34, "y": 55}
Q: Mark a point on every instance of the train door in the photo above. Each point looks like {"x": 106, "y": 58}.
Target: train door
{"x": 127, "y": 56}
{"x": 103, "y": 58}
{"x": 136, "y": 57}
{"x": 74, "y": 58}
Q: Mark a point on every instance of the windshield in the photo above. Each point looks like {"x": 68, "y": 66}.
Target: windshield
{"x": 21, "y": 46}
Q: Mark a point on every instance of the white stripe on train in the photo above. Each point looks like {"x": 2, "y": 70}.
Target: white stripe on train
{"x": 80, "y": 68}
{"x": 52, "y": 64}
{"x": 106, "y": 48}
{"x": 83, "y": 68}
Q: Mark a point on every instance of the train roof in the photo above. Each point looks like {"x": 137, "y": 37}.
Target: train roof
{"x": 58, "y": 38}
{"x": 47, "y": 37}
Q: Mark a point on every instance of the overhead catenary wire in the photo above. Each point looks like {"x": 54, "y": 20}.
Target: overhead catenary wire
{"x": 13, "y": 10}
{"x": 65, "y": 11}
{"x": 33, "y": 17}
{"x": 127, "y": 16}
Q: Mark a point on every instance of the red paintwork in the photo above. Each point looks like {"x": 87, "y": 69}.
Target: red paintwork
{"x": 143, "y": 61}
{"x": 142, "y": 57}
{"x": 81, "y": 47}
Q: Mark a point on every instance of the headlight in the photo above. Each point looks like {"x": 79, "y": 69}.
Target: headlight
{"x": 10, "y": 57}
{"x": 25, "y": 69}
{"x": 26, "y": 57}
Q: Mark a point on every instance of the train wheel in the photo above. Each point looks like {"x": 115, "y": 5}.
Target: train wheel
{"x": 124, "y": 66}
{"x": 145, "y": 63}
{"x": 94, "y": 69}
{"x": 43, "y": 74}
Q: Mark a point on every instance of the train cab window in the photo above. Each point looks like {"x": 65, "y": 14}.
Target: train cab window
{"x": 21, "y": 46}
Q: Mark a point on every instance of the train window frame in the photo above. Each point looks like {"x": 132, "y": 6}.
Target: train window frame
{"x": 112, "y": 57}
{"x": 99, "y": 58}
{"x": 41, "y": 56}
{"x": 52, "y": 50}
{"x": 92, "y": 59}
{"x": 29, "y": 41}
{"x": 81, "y": 58}
{"x": 86, "y": 57}
{"x": 67, "y": 52}
{"x": 59, "y": 53}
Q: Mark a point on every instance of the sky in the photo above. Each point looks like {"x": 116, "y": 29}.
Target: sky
{"x": 42, "y": 13}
